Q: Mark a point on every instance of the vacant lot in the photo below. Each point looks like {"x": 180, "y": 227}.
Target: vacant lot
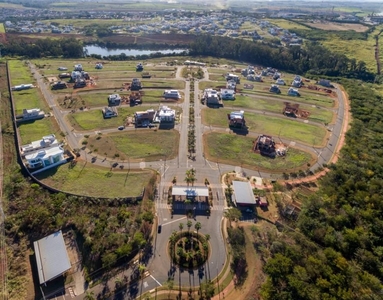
{"x": 274, "y": 126}
{"x": 338, "y": 26}
{"x": 237, "y": 150}
{"x": 89, "y": 180}
{"x": 93, "y": 119}
{"x": 141, "y": 145}
{"x": 316, "y": 114}
{"x": 35, "y": 130}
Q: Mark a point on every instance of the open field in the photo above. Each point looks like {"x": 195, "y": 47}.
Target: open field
{"x": 316, "y": 114}
{"x": 338, "y": 26}
{"x": 35, "y": 130}
{"x": 93, "y": 119}
{"x": 237, "y": 150}
{"x": 32, "y": 98}
{"x": 141, "y": 145}
{"x": 359, "y": 49}
{"x": 274, "y": 126}
{"x": 287, "y": 24}
{"x": 89, "y": 180}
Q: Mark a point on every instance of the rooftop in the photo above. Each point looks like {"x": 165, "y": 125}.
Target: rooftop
{"x": 51, "y": 257}
{"x": 191, "y": 191}
{"x": 243, "y": 193}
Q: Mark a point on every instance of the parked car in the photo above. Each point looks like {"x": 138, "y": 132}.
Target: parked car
{"x": 121, "y": 127}
{"x": 249, "y": 210}
{"x": 159, "y": 228}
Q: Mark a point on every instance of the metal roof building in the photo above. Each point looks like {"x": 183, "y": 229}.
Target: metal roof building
{"x": 51, "y": 257}
{"x": 190, "y": 191}
{"x": 243, "y": 193}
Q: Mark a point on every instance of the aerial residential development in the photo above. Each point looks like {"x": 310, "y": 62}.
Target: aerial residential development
{"x": 190, "y": 150}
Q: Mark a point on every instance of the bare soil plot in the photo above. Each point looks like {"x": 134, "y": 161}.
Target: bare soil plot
{"x": 338, "y": 26}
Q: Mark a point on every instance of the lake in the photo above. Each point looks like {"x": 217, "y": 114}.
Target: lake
{"x": 95, "y": 49}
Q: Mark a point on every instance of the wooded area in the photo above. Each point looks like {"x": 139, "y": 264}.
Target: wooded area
{"x": 340, "y": 253}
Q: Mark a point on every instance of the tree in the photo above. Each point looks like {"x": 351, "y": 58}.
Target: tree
{"x": 197, "y": 226}
{"x": 170, "y": 285}
{"x": 89, "y": 295}
{"x": 189, "y": 224}
{"x": 207, "y": 237}
{"x": 181, "y": 226}
{"x": 190, "y": 177}
{"x": 232, "y": 214}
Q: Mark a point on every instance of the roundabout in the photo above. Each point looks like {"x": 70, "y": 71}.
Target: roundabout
{"x": 189, "y": 250}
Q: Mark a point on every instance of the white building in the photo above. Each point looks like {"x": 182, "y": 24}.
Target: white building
{"x": 46, "y": 142}
{"x": 114, "y": 99}
{"x": 22, "y": 87}
{"x": 109, "y": 112}
{"x": 227, "y": 94}
{"x": 172, "y": 94}
{"x": 33, "y": 113}
{"x": 165, "y": 114}
{"x": 46, "y": 157}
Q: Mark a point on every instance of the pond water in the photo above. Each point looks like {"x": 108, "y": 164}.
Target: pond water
{"x": 95, "y": 49}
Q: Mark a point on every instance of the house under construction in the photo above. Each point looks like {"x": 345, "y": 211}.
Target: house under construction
{"x": 265, "y": 145}
{"x": 293, "y": 110}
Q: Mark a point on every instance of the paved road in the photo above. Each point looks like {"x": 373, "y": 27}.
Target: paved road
{"x": 159, "y": 266}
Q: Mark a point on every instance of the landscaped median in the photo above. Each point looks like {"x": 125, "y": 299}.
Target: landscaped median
{"x": 237, "y": 150}
{"x": 85, "y": 179}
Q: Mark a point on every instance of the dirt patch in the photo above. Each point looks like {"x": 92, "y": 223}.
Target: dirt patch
{"x": 52, "y": 79}
{"x": 338, "y": 26}
{"x": 3, "y": 38}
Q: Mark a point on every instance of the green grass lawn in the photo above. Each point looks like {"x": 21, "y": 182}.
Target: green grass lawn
{"x": 35, "y": 130}
{"x": 168, "y": 84}
{"x": 316, "y": 114}
{"x": 93, "y": 119}
{"x": 148, "y": 145}
{"x": 274, "y": 126}
{"x": 237, "y": 150}
{"x": 89, "y": 180}
{"x": 2, "y": 29}
{"x": 28, "y": 99}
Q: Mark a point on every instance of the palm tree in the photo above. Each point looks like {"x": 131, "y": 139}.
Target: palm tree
{"x": 189, "y": 225}
{"x": 170, "y": 285}
{"x": 181, "y": 226}
{"x": 197, "y": 226}
{"x": 89, "y": 295}
{"x": 207, "y": 237}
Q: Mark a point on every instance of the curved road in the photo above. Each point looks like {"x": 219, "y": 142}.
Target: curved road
{"x": 159, "y": 266}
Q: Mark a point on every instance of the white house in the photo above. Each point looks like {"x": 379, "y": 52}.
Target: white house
{"x": 46, "y": 142}
{"x": 33, "y": 114}
{"x": 99, "y": 66}
{"x": 78, "y": 67}
{"x": 165, "y": 114}
{"x": 46, "y": 157}
{"x": 22, "y": 87}
{"x": 293, "y": 92}
{"x": 172, "y": 94}
{"x": 114, "y": 99}
{"x": 109, "y": 112}
{"x": 211, "y": 97}
{"x": 275, "y": 89}
{"x": 280, "y": 81}
{"x": 227, "y": 94}
{"x": 231, "y": 85}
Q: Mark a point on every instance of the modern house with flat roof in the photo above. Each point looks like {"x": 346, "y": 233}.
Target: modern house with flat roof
{"x": 31, "y": 114}
{"x": 51, "y": 257}
{"x": 172, "y": 94}
{"x": 46, "y": 158}
{"x": 114, "y": 100}
{"x": 46, "y": 142}
{"x": 243, "y": 194}
{"x": 237, "y": 119}
{"x": 165, "y": 115}
{"x": 227, "y": 94}
{"x": 211, "y": 97}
